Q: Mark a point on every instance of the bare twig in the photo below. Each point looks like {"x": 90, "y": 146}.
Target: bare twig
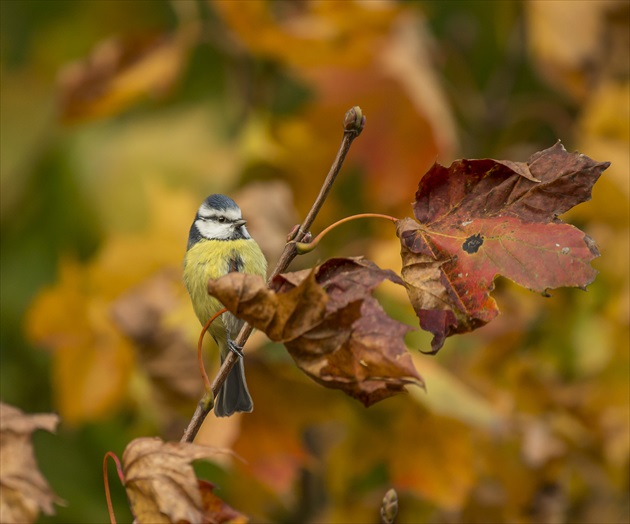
{"x": 353, "y": 125}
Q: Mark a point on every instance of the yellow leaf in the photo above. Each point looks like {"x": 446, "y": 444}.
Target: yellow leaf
{"x": 92, "y": 360}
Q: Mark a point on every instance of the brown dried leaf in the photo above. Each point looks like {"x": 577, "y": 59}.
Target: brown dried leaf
{"x": 336, "y": 332}
{"x": 161, "y": 483}
{"x": 24, "y": 492}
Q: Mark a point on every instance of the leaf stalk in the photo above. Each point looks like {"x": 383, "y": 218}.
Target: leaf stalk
{"x": 121, "y": 476}
{"x": 202, "y": 368}
{"x": 303, "y": 247}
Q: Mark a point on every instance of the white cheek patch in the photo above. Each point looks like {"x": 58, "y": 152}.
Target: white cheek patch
{"x": 213, "y": 230}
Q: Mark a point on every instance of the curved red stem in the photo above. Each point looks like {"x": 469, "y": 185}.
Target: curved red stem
{"x": 303, "y": 247}
{"x": 202, "y": 368}
{"x": 121, "y": 476}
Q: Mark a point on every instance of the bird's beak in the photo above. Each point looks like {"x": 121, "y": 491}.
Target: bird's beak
{"x": 240, "y": 223}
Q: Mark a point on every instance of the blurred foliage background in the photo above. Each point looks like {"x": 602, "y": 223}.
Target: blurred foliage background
{"x": 118, "y": 118}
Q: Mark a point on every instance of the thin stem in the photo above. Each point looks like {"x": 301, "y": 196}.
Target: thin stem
{"x": 304, "y": 248}
{"x": 121, "y": 476}
{"x": 353, "y": 124}
{"x": 202, "y": 368}
{"x": 348, "y": 138}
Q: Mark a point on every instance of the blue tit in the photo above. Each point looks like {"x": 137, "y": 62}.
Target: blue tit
{"x": 218, "y": 244}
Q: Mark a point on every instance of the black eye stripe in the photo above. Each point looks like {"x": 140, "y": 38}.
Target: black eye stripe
{"x": 216, "y": 218}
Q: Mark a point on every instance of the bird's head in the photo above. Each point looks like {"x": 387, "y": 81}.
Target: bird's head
{"x": 218, "y": 218}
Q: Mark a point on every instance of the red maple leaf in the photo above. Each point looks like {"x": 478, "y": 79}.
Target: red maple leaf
{"x": 483, "y": 218}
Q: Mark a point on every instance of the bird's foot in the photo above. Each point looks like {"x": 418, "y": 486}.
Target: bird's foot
{"x": 237, "y": 350}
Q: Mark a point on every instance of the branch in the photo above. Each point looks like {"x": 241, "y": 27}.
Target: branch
{"x": 353, "y": 124}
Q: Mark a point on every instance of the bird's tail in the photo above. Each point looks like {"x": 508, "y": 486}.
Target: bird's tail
{"x": 233, "y": 395}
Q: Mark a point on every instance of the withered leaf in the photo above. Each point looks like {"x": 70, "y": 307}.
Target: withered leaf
{"x": 161, "y": 483}
{"x": 24, "y": 491}
{"x": 483, "y": 218}
{"x": 334, "y": 329}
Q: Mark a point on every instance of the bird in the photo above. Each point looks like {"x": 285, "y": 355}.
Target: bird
{"x": 218, "y": 244}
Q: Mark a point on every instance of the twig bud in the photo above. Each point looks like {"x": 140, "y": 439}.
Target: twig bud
{"x": 389, "y": 509}
{"x": 354, "y": 120}
{"x": 293, "y": 233}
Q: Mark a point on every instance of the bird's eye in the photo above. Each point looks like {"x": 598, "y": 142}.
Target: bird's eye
{"x": 221, "y": 219}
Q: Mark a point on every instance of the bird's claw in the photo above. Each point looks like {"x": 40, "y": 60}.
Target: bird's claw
{"x": 237, "y": 350}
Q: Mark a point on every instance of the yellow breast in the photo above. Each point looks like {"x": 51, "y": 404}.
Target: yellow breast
{"x": 209, "y": 259}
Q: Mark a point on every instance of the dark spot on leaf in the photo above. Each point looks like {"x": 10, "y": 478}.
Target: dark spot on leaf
{"x": 472, "y": 244}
